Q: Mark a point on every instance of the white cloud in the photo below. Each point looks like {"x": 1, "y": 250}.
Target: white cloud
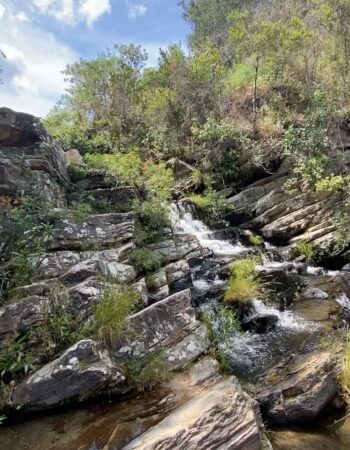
{"x": 72, "y": 12}
{"x": 2, "y": 11}
{"x": 136, "y": 9}
{"x": 32, "y": 70}
{"x": 91, "y": 10}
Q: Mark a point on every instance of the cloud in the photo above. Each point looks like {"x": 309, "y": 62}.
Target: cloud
{"x": 2, "y": 11}
{"x": 91, "y": 10}
{"x": 72, "y": 12}
{"x": 136, "y": 9}
{"x": 32, "y": 70}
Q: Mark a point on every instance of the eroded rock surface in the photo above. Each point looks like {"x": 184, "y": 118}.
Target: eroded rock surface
{"x": 299, "y": 389}
{"x": 224, "y": 417}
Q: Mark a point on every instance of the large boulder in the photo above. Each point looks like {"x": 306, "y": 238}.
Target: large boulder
{"x": 83, "y": 371}
{"x": 101, "y": 230}
{"x": 298, "y": 390}
{"x": 223, "y": 417}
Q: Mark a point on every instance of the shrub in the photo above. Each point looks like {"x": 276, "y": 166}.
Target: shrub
{"x": 306, "y": 249}
{"x": 145, "y": 260}
{"x": 149, "y": 371}
{"x": 212, "y": 206}
{"x": 78, "y": 211}
{"x": 244, "y": 283}
{"x": 15, "y": 359}
{"x": 153, "y": 216}
{"x": 109, "y": 322}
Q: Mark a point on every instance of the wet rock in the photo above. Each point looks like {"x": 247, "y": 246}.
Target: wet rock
{"x": 83, "y": 371}
{"x": 314, "y": 293}
{"x": 259, "y": 323}
{"x": 103, "y": 230}
{"x": 121, "y": 273}
{"x": 21, "y": 316}
{"x": 222, "y": 417}
{"x": 178, "y": 276}
{"x": 171, "y": 325}
{"x": 298, "y": 389}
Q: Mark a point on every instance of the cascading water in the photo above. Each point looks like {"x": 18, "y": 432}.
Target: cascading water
{"x": 249, "y": 353}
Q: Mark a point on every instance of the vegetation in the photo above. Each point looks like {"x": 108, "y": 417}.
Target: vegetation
{"x": 255, "y": 240}
{"x": 221, "y": 324}
{"x": 145, "y": 260}
{"x": 212, "y": 206}
{"x": 109, "y": 321}
{"x": 148, "y": 371}
{"x": 244, "y": 283}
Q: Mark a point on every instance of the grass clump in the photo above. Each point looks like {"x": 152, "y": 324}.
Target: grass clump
{"x": 255, "y": 240}
{"x": 244, "y": 283}
{"x": 149, "y": 371}
{"x": 109, "y": 323}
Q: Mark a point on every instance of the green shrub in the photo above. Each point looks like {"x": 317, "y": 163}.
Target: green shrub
{"x": 145, "y": 260}
{"x": 109, "y": 322}
{"x": 15, "y": 359}
{"x": 212, "y": 206}
{"x": 244, "y": 283}
{"x": 306, "y": 249}
{"x": 147, "y": 372}
{"x": 78, "y": 211}
{"x": 153, "y": 216}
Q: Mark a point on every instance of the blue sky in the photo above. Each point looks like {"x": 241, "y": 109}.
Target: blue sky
{"x": 39, "y": 37}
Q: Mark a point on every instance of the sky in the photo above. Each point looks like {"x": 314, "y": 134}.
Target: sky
{"x": 40, "y": 37}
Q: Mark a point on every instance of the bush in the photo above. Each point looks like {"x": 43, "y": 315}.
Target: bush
{"x": 109, "y": 322}
{"x": 145, "y": 260}
{"x": 255, "y": 240}
{"x": 149, "y": 371}
{"x": 153, "y": 216}
{"x": 244, "y": 284}
{"x": 212, "y": 206}
{"x": 15, "y": 359}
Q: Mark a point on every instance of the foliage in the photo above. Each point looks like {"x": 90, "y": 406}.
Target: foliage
{"x": 345, "y": 372}
{"x": 78, "y": 211}
{"x": 15, "y": 359}
{"x": 145, "y": 260}
{"x": 244, "y": 283}
{"x": 306, "y": 249}
{"x": 153, "y": 216}
{"x": 213, "y": 129}
{"x": 147, "y": 372}
{"x": 109, "y": 322}
{"x": 212, "y": 206}
{"x": 256, "y": 240}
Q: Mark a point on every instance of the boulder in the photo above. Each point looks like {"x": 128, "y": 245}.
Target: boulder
{"x": 299, "y": 389}
{"x": 19, "y": 129}
{"x": 21, "y": 316}
{"x": 121, "y": 273}
{"x": 177, "y": 247}
{"x": 103, "y": 230}
{"x": 83, "y": 371}
{"x": 170, "y": 325}
{"x": 223, "y": 417}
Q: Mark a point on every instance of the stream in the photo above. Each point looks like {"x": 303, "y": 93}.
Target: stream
{"x": 300, "y": 327}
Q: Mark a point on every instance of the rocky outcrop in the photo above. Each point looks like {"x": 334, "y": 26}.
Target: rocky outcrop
{"x": 170, "y": 325}
{"x": 222, "y": 417}
{"x": 286, "y": 216}
{"x": 102, "y": 230}
{"x": 84, "y": 371}
{"x": 299, "y": 389}
{"x": 29, "y": 158}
